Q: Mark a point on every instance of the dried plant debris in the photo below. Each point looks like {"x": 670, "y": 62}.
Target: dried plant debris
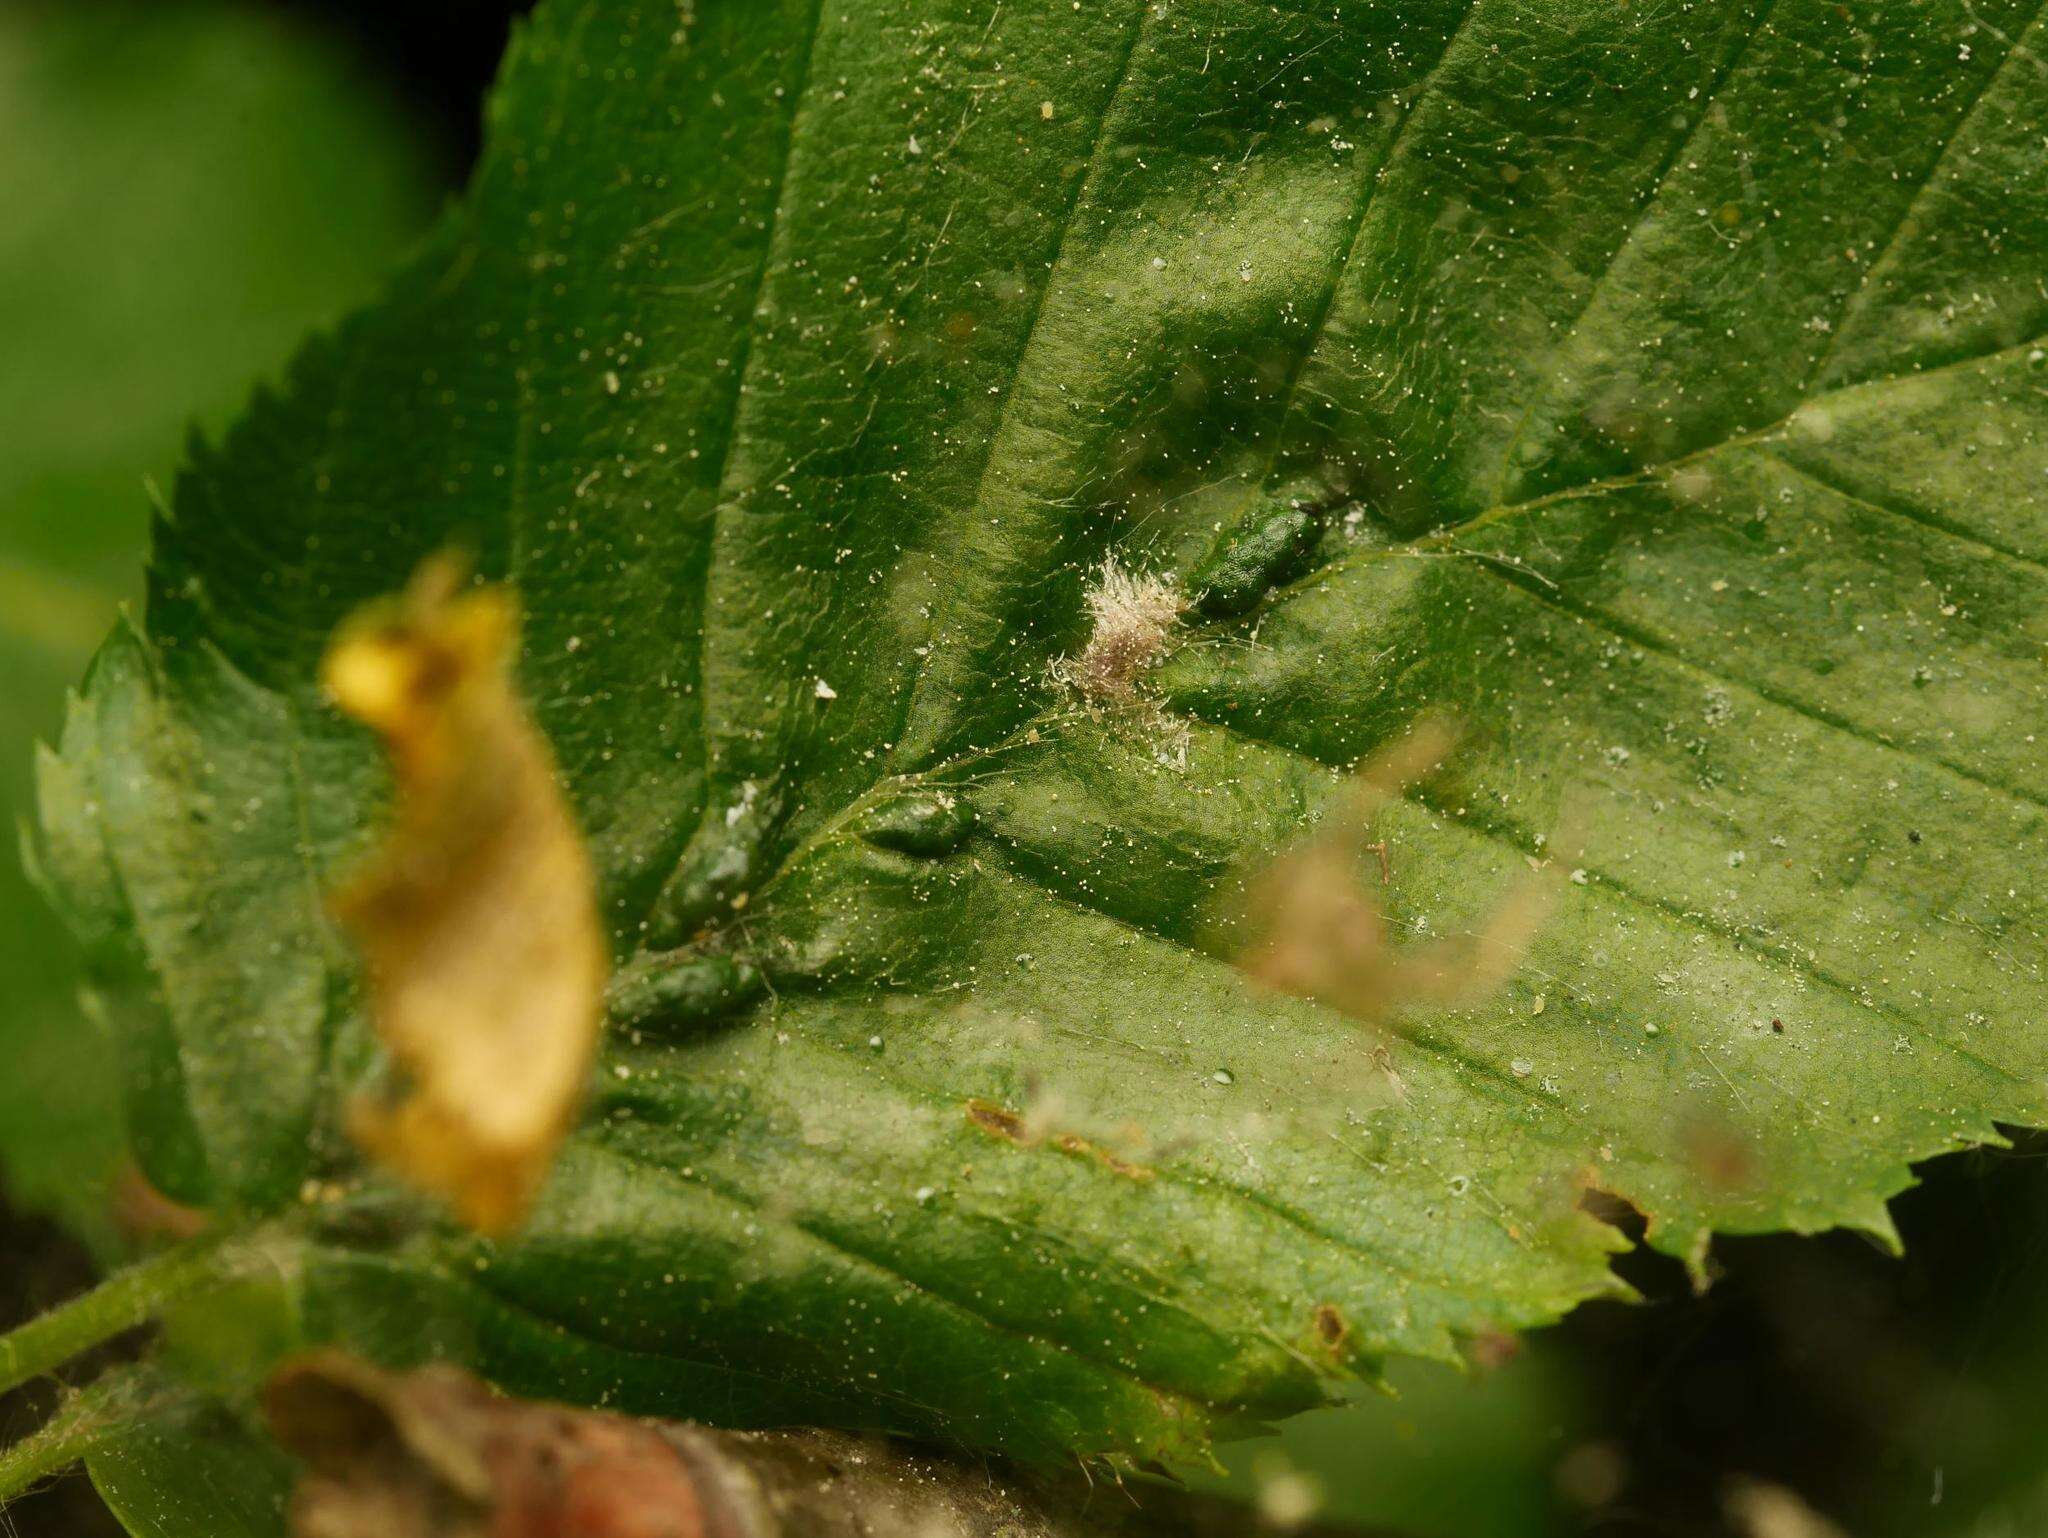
{"x": 1132, "y": 624}
{"x": 437, "y": 1453}
{"x": 1134, "y": 619}
{"x": 477, "y": 918}
{"x": 1318, "y": 931}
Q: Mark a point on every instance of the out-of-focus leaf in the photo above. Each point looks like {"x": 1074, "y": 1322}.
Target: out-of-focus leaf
{"x": 1664, "y": 390}
{"x": 188, "y": 186}
{"x": 186, "y": 1467}
{"x": 1444, "y": 1456}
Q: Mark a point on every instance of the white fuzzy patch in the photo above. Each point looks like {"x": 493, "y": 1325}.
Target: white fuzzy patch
{"x": 1134, "y": 621}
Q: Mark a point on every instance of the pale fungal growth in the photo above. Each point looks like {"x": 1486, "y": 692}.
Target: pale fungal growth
{"x": 1134, "y": 617}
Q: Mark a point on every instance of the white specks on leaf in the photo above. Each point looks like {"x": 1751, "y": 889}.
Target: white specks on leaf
{"x": 740, "y": 808}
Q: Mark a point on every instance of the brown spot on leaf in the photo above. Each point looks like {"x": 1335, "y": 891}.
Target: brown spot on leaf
{"x": 1074, "y": 1143}
{"x": 1012, "y": 1127}
{"x": 999, "y": 1120}
{"x": 1491, "y": 1350}
{"x": 1720, "y": 1155}
{"x": 1332, "y": 1328}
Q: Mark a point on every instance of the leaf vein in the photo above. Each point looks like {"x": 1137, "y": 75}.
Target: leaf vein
{"x": 860, "y": 1259}
{"x": 1784, "y": 959}
{"x": 915, "y": 693}
{"x": 1660, "y": 177}
{"x": 1354, "y": 232}
{"x": 742, "y": 366}
{"x": 1852, "y": 308}
{"x": 1649, "y": 640}
{"x": 1907, "y": 513}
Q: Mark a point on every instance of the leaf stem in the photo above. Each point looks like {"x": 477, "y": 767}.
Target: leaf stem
{"x": 124, "y": 1300}
{"x": 66, "y": 1437}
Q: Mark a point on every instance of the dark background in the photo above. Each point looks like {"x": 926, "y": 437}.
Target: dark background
{"x": 440, "y": 54}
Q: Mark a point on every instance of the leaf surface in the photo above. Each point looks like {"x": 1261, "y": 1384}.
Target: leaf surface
{"x": 186, "y": 1468}
{"x": 1656, "y": 393}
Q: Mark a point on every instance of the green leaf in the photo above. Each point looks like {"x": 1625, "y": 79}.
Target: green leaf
{"x": 1664, "y": 392}
{"x": 186, "y": 1467}
{"x": 169, "y": 1461}
{"x": 178, "y": 213}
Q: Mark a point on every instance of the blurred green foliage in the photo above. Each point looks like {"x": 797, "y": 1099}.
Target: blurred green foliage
{"x": 188, "y": 187}
{"x": 1499, "y": 1454}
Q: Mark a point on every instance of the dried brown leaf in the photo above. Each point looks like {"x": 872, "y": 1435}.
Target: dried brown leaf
{"x": 437, "y": 1453}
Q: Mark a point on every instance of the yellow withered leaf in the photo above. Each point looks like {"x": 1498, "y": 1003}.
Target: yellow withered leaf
{"x": 477, "y": 917}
